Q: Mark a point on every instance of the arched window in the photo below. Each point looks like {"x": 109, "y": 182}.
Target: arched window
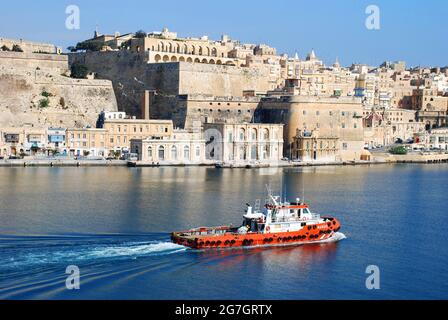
{"x": 174, "y": 153}
{"x": 150, "y": 153}
{"x": 198, "y": 152}
{"x": 161, "y": 153}
{"x": 253, "y": 134}
{"x": 242, "y": 134}
{"x": 214, "y": 52}
{"x": 187, "y": 153}
{"x": 265, "y": 134}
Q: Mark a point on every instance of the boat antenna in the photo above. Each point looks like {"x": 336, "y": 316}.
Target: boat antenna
{"x": 303, "y": 188}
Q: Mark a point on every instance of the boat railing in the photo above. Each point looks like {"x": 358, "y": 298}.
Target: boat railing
{"x": 314, "y": 216}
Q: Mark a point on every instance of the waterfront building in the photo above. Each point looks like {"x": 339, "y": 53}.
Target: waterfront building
{"x": 244, "y": 143}
{"x": 120, "y": 132}
{"x": 57, "y": 139}
{"x": 328, "y": 117}
{"x": 13, "y": 141}
{"x": 22, "y": 141}
{"x": 311, "y": 146}
{"x": 87, "y": 142}
{"x": 35, "y": 141}
{"x": 385, "y": 126}
{"x": 435, "y": 139}
{"x": 180, "y": 148}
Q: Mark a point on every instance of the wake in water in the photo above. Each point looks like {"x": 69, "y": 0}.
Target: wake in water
{"x": 43, "y": 252}
{"x": 136, "y": 250}
{"x": 35, "y": 252}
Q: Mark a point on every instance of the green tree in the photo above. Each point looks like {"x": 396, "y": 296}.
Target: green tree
{"x": 46, "y": 94}
{"x": 140, "y": 34}
{"x": 44, "y": 103}
{"x": 79, "y": 71}
{"x": 88, "y": 46}
{"x": 399, "y": 150}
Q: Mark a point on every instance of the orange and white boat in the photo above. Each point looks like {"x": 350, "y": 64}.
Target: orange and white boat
{"x": 278, "y": 223}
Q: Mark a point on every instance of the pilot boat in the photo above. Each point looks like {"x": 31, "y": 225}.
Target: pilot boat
{"x": 278, "y": 223}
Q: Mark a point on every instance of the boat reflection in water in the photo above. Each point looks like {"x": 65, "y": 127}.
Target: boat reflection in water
{"x": 303, "y": 257}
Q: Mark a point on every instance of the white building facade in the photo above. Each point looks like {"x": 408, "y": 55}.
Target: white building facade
{"x": 181, "y": 148}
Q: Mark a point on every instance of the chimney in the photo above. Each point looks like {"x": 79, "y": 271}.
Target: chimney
{"x": 147, "y": 100}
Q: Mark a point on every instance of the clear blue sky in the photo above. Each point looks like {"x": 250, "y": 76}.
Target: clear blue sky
{"x": 411, "y": 30}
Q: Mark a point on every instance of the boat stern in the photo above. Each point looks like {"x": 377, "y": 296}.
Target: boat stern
{"x": 184, "y": 240}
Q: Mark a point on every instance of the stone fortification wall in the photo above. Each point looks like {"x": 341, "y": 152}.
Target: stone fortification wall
{"x": 131, "y": 75}
{"x": 25, "y": 81}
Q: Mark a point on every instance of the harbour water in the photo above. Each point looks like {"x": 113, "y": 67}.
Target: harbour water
{"x": 114, "y": 224}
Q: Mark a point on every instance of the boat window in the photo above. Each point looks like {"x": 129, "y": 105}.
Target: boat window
{"x": 306, "y": 211}
{"x": 291, "y": 211}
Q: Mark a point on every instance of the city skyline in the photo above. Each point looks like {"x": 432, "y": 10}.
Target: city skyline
{"x": 331, "y": 29}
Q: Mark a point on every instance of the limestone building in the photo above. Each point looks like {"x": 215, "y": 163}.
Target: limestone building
{"x": 181, "y": 147}
{"x": 386, "y": 126}
{"x": 120, "y": 132}
{"x": 329, "y": 118}
{"x": 22, "y": 141}
{"x": 87, "y": 142}
{"x": 244, "y": 143}
{"x": 434, "y": 139}
{"x": 311, "y": 146}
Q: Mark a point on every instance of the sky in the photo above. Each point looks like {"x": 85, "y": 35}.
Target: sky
{"x": 410, "y": 30}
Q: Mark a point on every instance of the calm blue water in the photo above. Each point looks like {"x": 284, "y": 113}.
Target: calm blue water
{"x": 114, "y": 224}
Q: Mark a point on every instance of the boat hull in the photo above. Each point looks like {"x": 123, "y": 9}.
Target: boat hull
{"x": 226, "y": 237}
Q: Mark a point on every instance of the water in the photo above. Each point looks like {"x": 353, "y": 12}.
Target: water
{"x": 114, "y": 224}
